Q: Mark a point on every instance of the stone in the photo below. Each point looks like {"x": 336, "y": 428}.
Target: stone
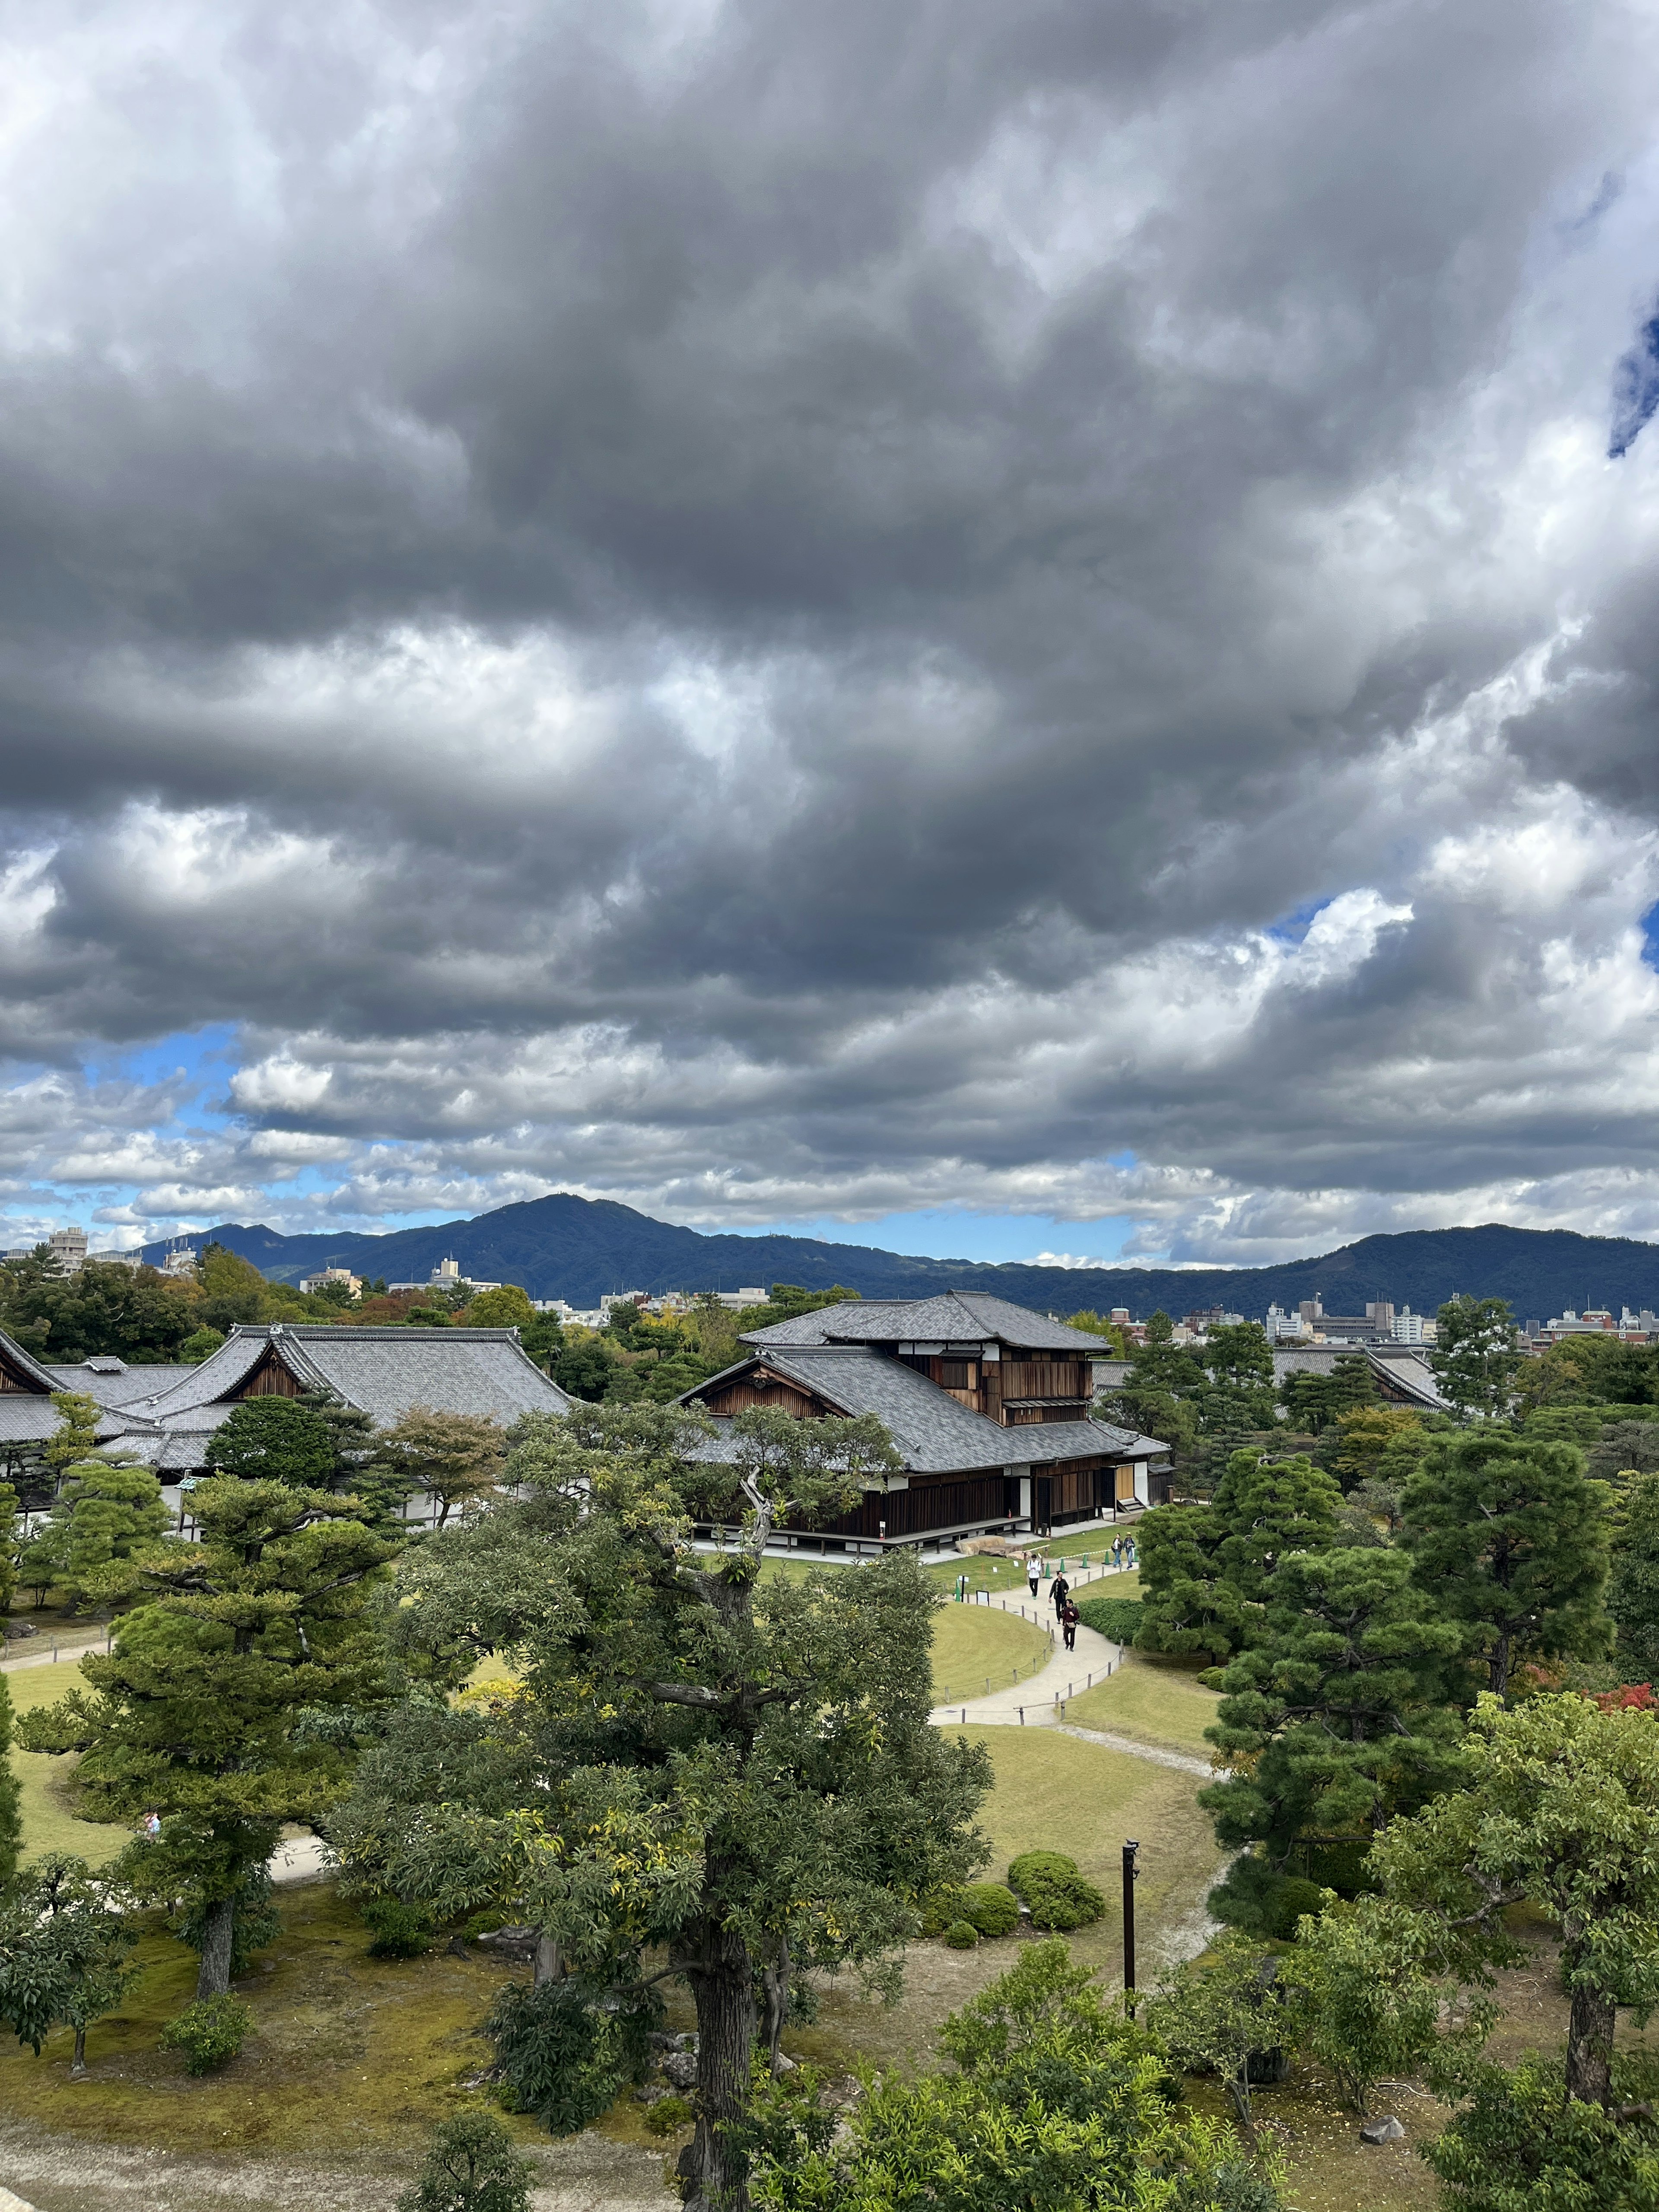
{"x": 1385, "y": 2130}
{"x": 680, "y": 2068}
{"x": 510, "y": 1942}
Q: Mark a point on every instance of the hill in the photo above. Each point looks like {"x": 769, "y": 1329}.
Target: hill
{"x": 562, "y": 1245}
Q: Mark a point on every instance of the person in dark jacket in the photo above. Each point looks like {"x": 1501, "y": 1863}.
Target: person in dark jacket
{"x": 1060, "y": 1591}
{"x": 1068, "y": 1619}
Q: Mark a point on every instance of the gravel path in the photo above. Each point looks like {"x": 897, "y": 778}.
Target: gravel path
{"x": 1040, "y": 1701}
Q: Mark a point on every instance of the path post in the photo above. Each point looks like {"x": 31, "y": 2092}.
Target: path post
{"x": 1131, "y": 1875}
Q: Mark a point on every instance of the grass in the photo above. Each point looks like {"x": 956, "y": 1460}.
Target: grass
{"x": 1154, "y": 1703}
{"x": 49, "y": 1821}
{"x": 975, "y": 1644}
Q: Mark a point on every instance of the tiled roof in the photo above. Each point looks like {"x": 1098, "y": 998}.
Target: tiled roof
{"x": 29, "y": 1367}
{"x": 130, "y": 1384}
{"x": 1405, "y": 1367}
{"x": 953, "y": 1317}
{"x": 935, "y": 1433}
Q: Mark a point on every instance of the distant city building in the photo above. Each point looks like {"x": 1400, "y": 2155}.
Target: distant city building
{"x": 445, "y": 1276}
{"x": 353, "y": 1283}
{"x": 68, "y": 1247}
{"x": 1407, "y": 1328}
{"x": 1213, "y": 1317}
{"x": 181, "y": 1261}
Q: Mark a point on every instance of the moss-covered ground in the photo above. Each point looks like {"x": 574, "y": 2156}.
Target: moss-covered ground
{"x": 50, "y": 1822}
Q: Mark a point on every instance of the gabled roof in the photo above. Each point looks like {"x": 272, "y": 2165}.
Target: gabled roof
{"x": 935, "y": 1432}
{"x": 1405, "y": 1367}
{"x": 953, "y": 1317}
{"x": 383, "y": 1371}
{"x": 24, "y": 1370}
{"x": 115, "y": 1383}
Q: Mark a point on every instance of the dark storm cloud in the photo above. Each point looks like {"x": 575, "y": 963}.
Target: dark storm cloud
{"x": 759, "y": 606}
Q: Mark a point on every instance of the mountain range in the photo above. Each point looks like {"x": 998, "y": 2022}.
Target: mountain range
{"x": 573, "y": 1247}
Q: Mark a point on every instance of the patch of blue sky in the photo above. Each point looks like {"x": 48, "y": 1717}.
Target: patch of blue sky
{"x": 203, "y": 1056}
{"x": 1635, "y": 390}
{"x": 950, "y": 1233}
{"x": 1650, "y": 937}
{"x": 1291, "y": 928}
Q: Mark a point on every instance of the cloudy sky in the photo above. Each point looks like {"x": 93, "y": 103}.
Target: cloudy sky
{"x": 994, "y": 627}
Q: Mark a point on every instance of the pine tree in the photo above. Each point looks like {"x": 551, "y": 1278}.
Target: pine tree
{"x": 104, "y": 1512}
{"x": 1633, "y": 1584}
{"x": 206, "y": 1709}
{"x": 1510, "y": 1539}
{"x": 77, "y": 1438}
{"x": 1476, "y": 1357}
{"x": 273, "y": 1440}
{"x": 11, "y": 1795}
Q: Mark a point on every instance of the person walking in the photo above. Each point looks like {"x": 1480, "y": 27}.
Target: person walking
{"x": 1117, "y": 1552}
{"x": 1061, "y": 1590}
{"x": 1033, "y": 1569}
{"x": 1068, "y": 1620}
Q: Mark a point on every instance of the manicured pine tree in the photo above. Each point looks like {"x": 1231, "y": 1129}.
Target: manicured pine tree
{"x": 1268, "y": 1508}
{"x": 206, "y": 1711}
{"x": 104, "y": 1512}
{"x": 1331, "y": 1720}
{"x": 1204, "y": 1569}
{"x": 1476, "y": 1357}
{"x": 273, "y": 1440}
{"x": 1510, "y": 1539}
{"x": 77, "y": 1438}
{"x": 1633, "y": 1584}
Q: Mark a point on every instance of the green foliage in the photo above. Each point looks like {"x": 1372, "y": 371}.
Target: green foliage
{"x": 1522, "y": 2144}
{"x": 1618, "y": 1447}
{"x": 669, "y": 2116}
{"x": 1218, "y": 2013}
{"x": 1059, "y": 1896}
{"x": 1558, "y": 1808}
{"x": 1118, "y": 1618}
{"x": 1509, "y": 1539}
{"x": 103, "y": 1513}
{"x": 63, "y": 1947}
{"x": 1159, "y": 1395}
{"x": 103, "y": 1309}
{"x": 739, "y": 1770}
{"x": 232, "y": 1290}
{"x": 208, "y": 2033}
{"x": 1318, "y": 1398}
{"x": 399, "y": 1931}
{"x": 962, "y": 1935}
{"x": 11, "y": 1795}
{"x": 257, "y": 1922}
{"x": 1331, "y": 1719}
{"x": 509, "y": 1307}
{"x": 1476, "y": 1356}
{"x": 1370, "y": 1999}
{"x": 1204, "y": 1569}
{"x": 1056, "y": 2104}
{"x": 454, "y": 1459}
{"x": 273, "y": 1440}
{"x": 1377, "y": 1444}
{"x": 1633, "y": 1584}
{"x": 564, "y": 2051}
{"x": 1293, "y": 1898}
{"x": 584, "y": 1364}
{"x": 939, "y": 1908}
{"x": 201, "y": 1344}
{"x": 1593, "y": 1370}
{"x": 991, "y": 1906}
{"x": 76, "y": 1436}
{"x": 202, "y": 1711}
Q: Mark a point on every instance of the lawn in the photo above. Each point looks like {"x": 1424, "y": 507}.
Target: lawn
{"x": 978, "y": 1648}
{"x": 48, "y": 1823}
{"x": 1153, "y": 1703}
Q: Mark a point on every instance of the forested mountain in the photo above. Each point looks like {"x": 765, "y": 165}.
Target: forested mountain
{"x": 577, "y": 1249}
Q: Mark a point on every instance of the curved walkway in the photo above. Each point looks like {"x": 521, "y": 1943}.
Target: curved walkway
{"x": 1040, "y": 1701}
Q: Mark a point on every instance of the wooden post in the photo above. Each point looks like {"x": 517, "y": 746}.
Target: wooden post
{"x": 1131, "y": 1874}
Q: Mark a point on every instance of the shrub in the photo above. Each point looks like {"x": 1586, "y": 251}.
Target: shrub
{"x": 562, "y": 2055}
{"x": 210, "y": 2033}
{"x": 668, "y": 2115}
{"x": 1118, "y": 1619}
{"x": 939, "y": 1909}
{"x": 471, "y": 2166}
{"x": 1058, "y": 1896}
{"x": 991, "y": 1906}
{"x": 1286, "y": 1904}
{"x": 961, "y": 1935}
{"x": 400, "y": 1931}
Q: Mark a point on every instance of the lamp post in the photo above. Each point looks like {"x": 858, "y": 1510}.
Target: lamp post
{"x": 1131, "y": 1875}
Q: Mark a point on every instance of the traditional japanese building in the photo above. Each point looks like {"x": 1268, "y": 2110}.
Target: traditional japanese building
{"x": 988, "y": 1403}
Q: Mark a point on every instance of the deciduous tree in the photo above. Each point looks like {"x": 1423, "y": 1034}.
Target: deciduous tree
{"x": 456, "y": 1459}
{"x": 1633, "y": 1584}
{"x": 65, "y": 1944}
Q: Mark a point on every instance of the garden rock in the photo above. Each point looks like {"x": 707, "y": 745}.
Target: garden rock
{"x": 680, "y": 2068}
{"x": 1382, "y": 2131}
{"x": 510, "y": 1942}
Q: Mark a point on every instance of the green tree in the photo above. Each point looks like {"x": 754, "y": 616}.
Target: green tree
{"x": 201, "y": 1344}
{"x": 232, "y": 1291}
{"x": 1159, "y": 1395}
{"x": 1476, "y": 1356}
{"x": 1510, "y": 1539}
{"x": 739, "y": 1770}
{"x": 470, "y": 2166}
{"x": 11, "y": 1795}
{"x": 10, "y": 1545}
{"x": 273, "y": 1440}
{"x": 1369, "y": 1997}
{"x": 63, "y": 1951}
{"x": 1094, "y": 1324}
{"x": 1558, "y": 1809}
{"x": 1633, "y": 1584}
{"x": 76, "y": 1438}
{"x": 1589, "y": 1370}
{"x": 210, "y": 1709}
{"x": 1204, "y": 1569}
{"x": 1188, "y": 1605}
{"x": 584, "y": 1364}
{"x": 1055, "y": 2103}
{"x": 1376, "y": 1443}
{"x": 1268, "y": 1508}
{"x": 103, "y": 1309}
{"x": 509, "y": 1307}
{"x": 1521, "y": 2143}
{"x": 455, "y": 1459}
{"x": 103, "y": 1514}
{"x": 1330, "y": 1721}
{"x": 1218, "y": 2013}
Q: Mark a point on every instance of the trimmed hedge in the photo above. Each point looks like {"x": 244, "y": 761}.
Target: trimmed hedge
{"x": 208, "y": 2033}
{"x": 992, "y": 1906}
{"x": 1059, "y": 1896}
{"x": 1118, "y": 1619}
{"x": 962, "y": 1935}
{"x": 939, "y": 1909}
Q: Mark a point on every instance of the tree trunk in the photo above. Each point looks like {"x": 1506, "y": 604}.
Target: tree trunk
{"x": 775, "y": 1984}
{"x": 1589, "y": 2047}
{"x": 78, "y": 2063}
{"x": 723, "y": 1989}
{"x": 550, "y": 1960}
{"x": 1498, "y": 1672}
{"x": 220, "y": 1922}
